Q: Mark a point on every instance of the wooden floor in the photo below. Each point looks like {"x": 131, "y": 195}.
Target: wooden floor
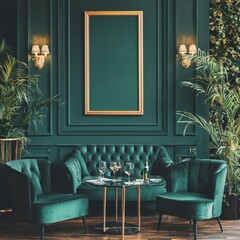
{"x": 172, "y": 229}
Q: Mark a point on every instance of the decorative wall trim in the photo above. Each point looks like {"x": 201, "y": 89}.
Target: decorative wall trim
{"x": 39, "y": 151}
{"x": 189, "y": 34}
{"x": 157, "y": 126}
{"x": 163, "y": 72}
{"x": 139, "y": 57}
{"x": 47, "y": 69}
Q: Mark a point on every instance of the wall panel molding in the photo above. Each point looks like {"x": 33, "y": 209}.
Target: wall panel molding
{"x": 185, "y": 33}
{"x": 118, "y": 46}
{"x": 38, "y": 151}
{"x": 41, "y": 36}
{"x": 110, "y": 125}
{"x": 67, "y": 126}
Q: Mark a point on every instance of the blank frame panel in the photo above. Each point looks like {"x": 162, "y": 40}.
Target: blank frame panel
{"x": 113, "y": 62}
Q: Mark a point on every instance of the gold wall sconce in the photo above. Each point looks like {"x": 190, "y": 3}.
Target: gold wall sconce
{"x": 39, "y": 57}
{"x": 185, "y": 55}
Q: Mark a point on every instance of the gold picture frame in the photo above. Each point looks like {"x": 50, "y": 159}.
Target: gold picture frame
{"x": 139, "y": 63}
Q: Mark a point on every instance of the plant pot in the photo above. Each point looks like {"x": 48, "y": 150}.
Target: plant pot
{"x": 10, "y": 149}
{"x": 230, "y": 208}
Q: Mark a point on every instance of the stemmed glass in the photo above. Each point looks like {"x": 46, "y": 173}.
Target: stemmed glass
{"x": 129, "y": 169}
{"x": 115, "y": 167}
{"x": 102, "y": 167}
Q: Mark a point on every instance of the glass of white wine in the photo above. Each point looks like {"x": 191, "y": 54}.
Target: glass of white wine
{"x": 115, "y": 167}
{"x": 102, "y": 168}
{"x": 129, "y": 169}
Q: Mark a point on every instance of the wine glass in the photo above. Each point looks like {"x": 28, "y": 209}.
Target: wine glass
{"x": 129, "y": 168}
{"x": 115, "y": 167}
{"x": 102, "y": 167}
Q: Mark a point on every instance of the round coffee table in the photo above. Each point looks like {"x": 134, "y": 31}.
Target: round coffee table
{"x": 122, "y": 227}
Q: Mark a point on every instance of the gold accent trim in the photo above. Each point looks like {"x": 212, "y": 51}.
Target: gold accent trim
{"x": 10, "y": 149}
{"x": 6, "y": 210}
{"x": 123, "y": 211}
{"x": 116, "y": 204}
{"x": 139, "y": 111}
{"x": 139, "y": 206}
{"x": 104, "y": 208}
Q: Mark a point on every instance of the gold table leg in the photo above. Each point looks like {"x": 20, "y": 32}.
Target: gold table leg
{"x": 104, "y": 208}
{"x": 139, "y": 206}
{"x": 123, "y": 211}
{"x": 123, "y": 208}
{"x": 116, "y": 202}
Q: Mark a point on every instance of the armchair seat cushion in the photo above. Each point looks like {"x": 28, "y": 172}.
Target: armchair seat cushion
{"x": 185, "y": 204}
{"x": 54, "y": 207}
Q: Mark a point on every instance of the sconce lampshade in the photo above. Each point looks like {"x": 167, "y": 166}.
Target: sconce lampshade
{"x": 45, "y": 49}
{"x": 182, "y": 49}
{"x": 35, "y": 49}
{"x": 39, "y": 57}
{"x": 192, "y": 49}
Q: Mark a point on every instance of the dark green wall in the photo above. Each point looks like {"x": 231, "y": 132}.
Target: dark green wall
{"x": 167, "y": 23}
{"x": 8, "y": 22}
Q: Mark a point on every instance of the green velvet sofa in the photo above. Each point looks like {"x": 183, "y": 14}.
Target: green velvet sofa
{"x": 82, "y": 164}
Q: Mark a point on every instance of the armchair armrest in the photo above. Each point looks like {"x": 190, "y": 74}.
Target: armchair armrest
{"x": 218, "y": 187}
{"x": 20, "y": 194}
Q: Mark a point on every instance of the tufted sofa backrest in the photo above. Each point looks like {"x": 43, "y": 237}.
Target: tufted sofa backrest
{"x": 137, "y": 154}
{"x": 36, "y": 171}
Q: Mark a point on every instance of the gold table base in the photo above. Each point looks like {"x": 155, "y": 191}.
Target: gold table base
{"x": 123, "y": 201}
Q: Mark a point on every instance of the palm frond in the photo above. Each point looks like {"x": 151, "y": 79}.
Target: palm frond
{"x": 21, "y": 100}
{"x": 223, "y": 125}
{"x": 188, "y": 119}
{"x": 195, "y": 86}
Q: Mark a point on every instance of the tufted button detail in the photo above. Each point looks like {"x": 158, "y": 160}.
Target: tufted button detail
{"x": 137, "y": 154}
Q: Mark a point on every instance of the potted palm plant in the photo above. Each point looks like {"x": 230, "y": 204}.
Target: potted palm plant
{"x": 223, "y": 125}
{"x": 21, "y": 103}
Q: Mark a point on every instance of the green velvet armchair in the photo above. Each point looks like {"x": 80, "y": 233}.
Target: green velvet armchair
{"x": 34, "y": 199}
{"x": 194, "y": 191}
